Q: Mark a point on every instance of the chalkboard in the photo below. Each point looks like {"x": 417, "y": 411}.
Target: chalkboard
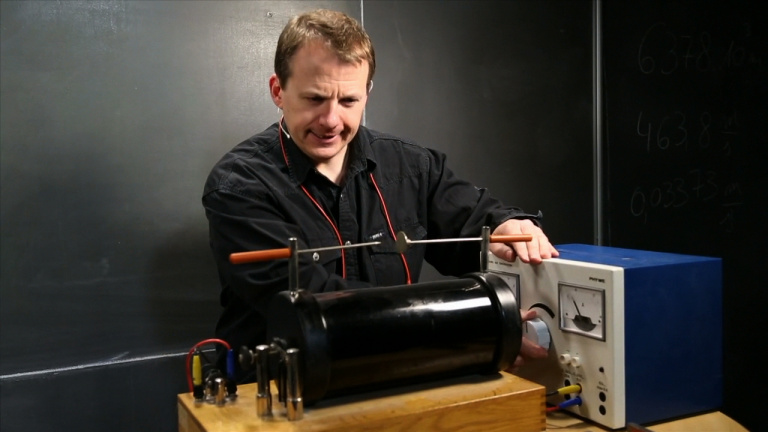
{"x": 504, "y": 88}
{"x": 686, "y": 147}
{"x": 112, "y": 113}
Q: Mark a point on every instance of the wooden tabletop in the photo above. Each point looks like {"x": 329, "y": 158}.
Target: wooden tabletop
{"x": 708, "y": 422}
{"x": 487, "y": 403}
{"x": 501, "y": 402}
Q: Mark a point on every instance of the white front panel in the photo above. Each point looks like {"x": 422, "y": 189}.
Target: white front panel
{"x": 582, "y": 305}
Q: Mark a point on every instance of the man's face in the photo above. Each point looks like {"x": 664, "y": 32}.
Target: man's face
{"x": 322, "y": 102}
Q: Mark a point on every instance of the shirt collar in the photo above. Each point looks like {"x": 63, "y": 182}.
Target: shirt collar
{"x": 361, "y": 154}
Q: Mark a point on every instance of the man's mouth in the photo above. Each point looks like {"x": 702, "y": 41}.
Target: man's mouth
{"x": 326, "y": 138}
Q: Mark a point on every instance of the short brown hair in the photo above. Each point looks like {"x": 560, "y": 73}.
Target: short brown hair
{"x": 341, "y": 33}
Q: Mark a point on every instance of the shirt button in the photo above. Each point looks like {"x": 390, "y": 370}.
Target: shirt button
{"x": 316, "y": 256}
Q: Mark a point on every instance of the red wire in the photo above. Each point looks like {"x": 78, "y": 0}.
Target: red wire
{"x": 335, "y": 229}
{"x": 191, "y": 351}
{"x": 333, "y": 225}
{"x": 391, "y": 230}
{"x": 319, "y": 207}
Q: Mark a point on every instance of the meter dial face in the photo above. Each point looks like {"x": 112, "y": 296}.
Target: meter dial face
{"x": 582, "y": 311}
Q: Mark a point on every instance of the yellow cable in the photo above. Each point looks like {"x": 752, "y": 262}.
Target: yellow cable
{"x": 197, "y": 370}
{"x": 576, "y": 388}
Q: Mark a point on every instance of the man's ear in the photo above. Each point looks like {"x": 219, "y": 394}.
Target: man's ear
{"x": 276, "y": 91}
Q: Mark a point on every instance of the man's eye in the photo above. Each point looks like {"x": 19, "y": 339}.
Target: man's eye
{"x": 348, "y": 102}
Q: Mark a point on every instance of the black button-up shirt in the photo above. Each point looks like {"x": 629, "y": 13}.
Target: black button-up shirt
{"x": 254, "y": 200}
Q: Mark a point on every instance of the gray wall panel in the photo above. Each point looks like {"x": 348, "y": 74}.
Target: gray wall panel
{"x": 111, "y": 116}
{"x": 504, "y": 88}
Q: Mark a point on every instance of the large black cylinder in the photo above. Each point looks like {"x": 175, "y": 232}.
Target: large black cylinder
{"x": 357, "y": 340}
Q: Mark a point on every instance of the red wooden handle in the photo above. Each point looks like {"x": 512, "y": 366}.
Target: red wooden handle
{"x": 511, "y": 238}
{"x": 262, "y": 255}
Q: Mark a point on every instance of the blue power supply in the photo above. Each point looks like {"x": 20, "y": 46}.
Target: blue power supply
{"x": 640, "y": 331}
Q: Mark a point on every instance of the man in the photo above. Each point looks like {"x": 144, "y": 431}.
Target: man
{"x": 319, "y": 176}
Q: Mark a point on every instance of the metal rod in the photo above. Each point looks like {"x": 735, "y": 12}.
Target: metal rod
{"x": 484, "y": 248}
{"x": 221, "y": 392}
{"x": 280, "y": 379}
{"x": 403, "y": 242}
{"x": 294, "y": 402}
{"x": 273, "y": 254}
{"x": 349, "y": 246}
{"x": 293, "y": 267}
{"x": 264, "y": 394}
{"x": 462, "y": 239}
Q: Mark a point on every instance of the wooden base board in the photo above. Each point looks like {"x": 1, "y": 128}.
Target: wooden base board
{"x": 501, "y": 402}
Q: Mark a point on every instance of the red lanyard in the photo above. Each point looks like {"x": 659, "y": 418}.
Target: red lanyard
{"x": 333, "y": 225}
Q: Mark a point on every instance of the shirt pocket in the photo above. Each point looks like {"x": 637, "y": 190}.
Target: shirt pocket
{"x": 328, "y": 259}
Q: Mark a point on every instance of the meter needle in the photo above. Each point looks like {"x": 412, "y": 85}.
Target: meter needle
{"x": 583, "y": 322}
{"x": 578, "y": 312}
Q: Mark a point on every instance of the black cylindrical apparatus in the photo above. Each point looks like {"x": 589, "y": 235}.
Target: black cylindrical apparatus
{"x": 357, "y": 340}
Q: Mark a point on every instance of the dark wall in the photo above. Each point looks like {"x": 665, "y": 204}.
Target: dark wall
{"x": 112, "y": 114}
{"x": 686, "y": 132}
{"x": 504, "y": 88}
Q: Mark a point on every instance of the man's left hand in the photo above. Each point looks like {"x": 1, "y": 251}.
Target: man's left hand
{"x": 529, "y": 252}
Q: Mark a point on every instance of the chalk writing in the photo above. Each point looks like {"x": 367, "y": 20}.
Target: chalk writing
{"x": 698, "y": 186}
{"x": 674, "y": 131}
{"x": 666, "y": 50}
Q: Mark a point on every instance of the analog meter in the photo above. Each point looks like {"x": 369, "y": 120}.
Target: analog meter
{"x": 593, "y": 303}
{"x": 582, "y": 310}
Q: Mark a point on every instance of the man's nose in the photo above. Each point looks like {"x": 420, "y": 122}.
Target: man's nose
{"x": 329, "y": 117}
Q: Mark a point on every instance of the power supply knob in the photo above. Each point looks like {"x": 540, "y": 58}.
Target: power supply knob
{"x": 537, "y": 332}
